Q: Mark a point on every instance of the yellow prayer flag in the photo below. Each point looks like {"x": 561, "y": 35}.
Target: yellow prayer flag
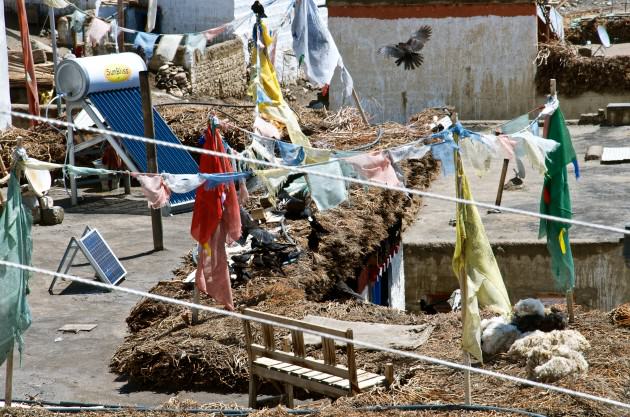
{"x": 473, "y": 258}
{"x": 276, "y": 108}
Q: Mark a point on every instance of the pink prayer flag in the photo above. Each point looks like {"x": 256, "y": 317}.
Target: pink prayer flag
{"x": 210, "y": 34}
{"x": 213, "y": 274}
{"x": 374, "y": 166}
{"x": 264, "y": 128}
{"x": 507, "y": 144}
{"x": 154, "y": 189}
{"x": 97, "y": 31}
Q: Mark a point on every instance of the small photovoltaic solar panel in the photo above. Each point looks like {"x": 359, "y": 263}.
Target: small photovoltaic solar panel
{"x": 108, "y": 267}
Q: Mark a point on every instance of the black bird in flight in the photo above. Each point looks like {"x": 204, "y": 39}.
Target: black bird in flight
{"x": 258, "y": 9}
{"x": 407, "y": 52}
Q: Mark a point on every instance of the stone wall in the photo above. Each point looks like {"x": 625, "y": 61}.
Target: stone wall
{"x": 602, "y": 280}
{"x": 221, "y": 71}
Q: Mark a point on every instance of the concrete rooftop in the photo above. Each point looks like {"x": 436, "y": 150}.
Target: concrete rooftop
{"x": 601, "y": 195}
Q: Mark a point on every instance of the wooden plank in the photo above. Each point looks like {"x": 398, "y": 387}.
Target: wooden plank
{"x": 292, "y": 359}
{"x": 76, "y": 328}
{"x": 288, "y": 390}
{"x": 352, "y": 365}
{"x": 389, "y": 374}
{"x": 266, "y": 361}
{"x": 291, "y": 322}
{"x": 363, "y": 377}
{"x": 297, "y": 381}
{"x": 292, "y": 368}
{"x": 328, "y": 348}
{"x": 268, "y": 336}
{"x": 320, "y": 377}
{"x": 333, "y": 379}
{"x": 312, "y": 374}
{"x": 282, "y": 366}
{"x": 247, "y": 328}
{"x": 371, "y": 382}
{"x": 301, "y": 371}
{"x": 297, "y": 340}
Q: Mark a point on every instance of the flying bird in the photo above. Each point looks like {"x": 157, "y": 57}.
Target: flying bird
{"x": 258, "y": 9}
{"x": 407, "y": 52}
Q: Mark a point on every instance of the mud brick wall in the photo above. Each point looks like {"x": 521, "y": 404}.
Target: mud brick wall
{"x": 221, "y": 71}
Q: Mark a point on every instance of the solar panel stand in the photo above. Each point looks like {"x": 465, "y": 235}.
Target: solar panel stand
{"x": 72, "y": 149}
{"x": 74, "y": 246}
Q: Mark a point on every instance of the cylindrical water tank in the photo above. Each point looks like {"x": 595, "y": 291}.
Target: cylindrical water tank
{"x": 78, "y": 77}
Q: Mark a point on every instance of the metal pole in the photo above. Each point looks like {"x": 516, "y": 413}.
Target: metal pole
{"x": 70, "y": 145}
{"x": 121, "y": 24}
{"x": 53, "y": 37}
{"x": 8, "y": 382}
{"x": 151, "y": 148}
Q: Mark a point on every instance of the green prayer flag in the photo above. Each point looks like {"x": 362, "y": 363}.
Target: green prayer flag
{"x": 16, "y": 247}
{"x": 556, "y": 201}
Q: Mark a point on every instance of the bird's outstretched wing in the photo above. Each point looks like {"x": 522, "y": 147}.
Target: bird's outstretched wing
{"x": 419, "y": 38}
{"x": 392, "y": 51}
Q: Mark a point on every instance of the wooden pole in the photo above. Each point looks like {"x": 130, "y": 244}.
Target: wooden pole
{"x": 121, "y": 23}
{"x": 357, "y": 101}
{"x": 151, "y": 149}
{"x": 506, "y": 163}
{"x": 8, "y": 382}
{"x": 569, "y": 293}
{"x": 27, "y": 56}
{"x": 195, "y": 311}
{"x": 53, "y": 37}
{"x": 463, "y": 279}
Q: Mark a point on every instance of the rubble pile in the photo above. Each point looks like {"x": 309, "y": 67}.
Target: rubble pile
{"x": 174, "y": 79}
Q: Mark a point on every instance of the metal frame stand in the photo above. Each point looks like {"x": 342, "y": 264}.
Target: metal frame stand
{"x": 72, "y": 148}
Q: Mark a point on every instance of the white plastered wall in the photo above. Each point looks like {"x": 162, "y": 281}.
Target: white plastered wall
{"x": 482, "y": 65}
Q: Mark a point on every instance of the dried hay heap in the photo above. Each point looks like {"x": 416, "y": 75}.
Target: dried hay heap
{"x": 165, "y": 352}
{"x": 577, "y": 74}
{"x": 618, "y": 28}
{"x": 41, "y": 142}
{"x": 621, "y": 315}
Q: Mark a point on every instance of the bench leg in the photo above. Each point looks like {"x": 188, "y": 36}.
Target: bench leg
{"x": 253, "y": 390}
{"x": 288, "y": 390}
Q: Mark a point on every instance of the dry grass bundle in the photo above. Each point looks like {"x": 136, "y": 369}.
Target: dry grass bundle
{"x": 621, "y": 315}
{"x": 577, "y": 74}
{"x": 41, "y": 142}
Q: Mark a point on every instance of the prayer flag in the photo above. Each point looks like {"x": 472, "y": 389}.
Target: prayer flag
{"x": 556, "y": 201}
{"x": 474, "y": 260}
{"x": 15, "y": 246}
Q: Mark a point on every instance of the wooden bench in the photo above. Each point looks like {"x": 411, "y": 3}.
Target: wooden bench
{"x": 291, "y": 367}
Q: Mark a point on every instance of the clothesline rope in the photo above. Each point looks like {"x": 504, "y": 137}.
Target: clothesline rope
{"x": 239, "y": 20}
{"x": 365, "y": 344}
{"x": 298, "y": 169}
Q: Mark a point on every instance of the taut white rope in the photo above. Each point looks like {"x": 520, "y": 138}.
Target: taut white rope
{"x": 369, "y": 345}
{"x": 305, "y": 170}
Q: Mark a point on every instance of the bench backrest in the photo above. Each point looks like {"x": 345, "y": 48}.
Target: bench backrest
{"x": 297, "y": 355}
